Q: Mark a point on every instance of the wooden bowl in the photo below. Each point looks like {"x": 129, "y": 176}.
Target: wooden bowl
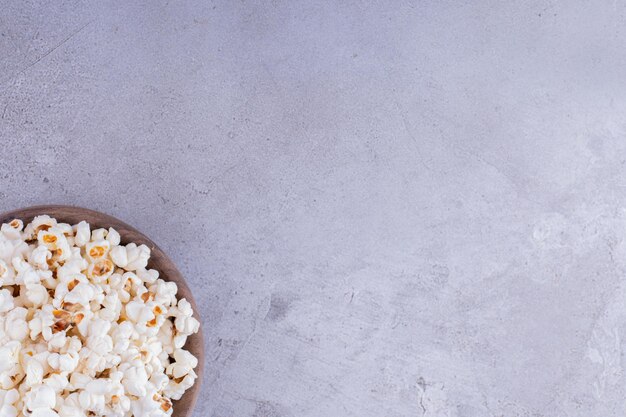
{"x": 158, "y": 260}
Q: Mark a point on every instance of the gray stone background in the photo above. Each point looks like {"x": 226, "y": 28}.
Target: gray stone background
{"x": 385, "y": 208}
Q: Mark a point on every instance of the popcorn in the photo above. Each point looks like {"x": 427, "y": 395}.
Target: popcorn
{"x": 34, "y": 372}
{"x": 39, "y": 223}
{"x": 6, "y": 301}
{"x": 40, "y": 256}
{"x": 119, "y": 256}
{"x": 16, "y": 324}
{"x": 36, "y": 294}
{"x": 152, "y": 405}
{"x": 149, "y": 276}
{"x": 98, "y": 234}
{"x": 97, "y": 250}
{"x": 165, "y": 292}
{"x": 40, "y": 401}
{"x": 10, "y": 369}
{"x": 8, "y": 399}
{"x": 135, "y": 379}
{"x": 6, "y": 248}
{"x": 56, "y": 242}
{"x": 81, "y": 293}
{"x": 92, "y": 398}
{"x": 7, "y": 274}
{"x": 82, "y": 234}
{"x": 12, "y": 229}
{"x": 185, "y": 323}
{"x": 137, "y": 257}
{"x": 66, "y": 362}
{"x": 85, "y": 328}
{"x": 113, "y": 237}
{"x": 58, "y": 382}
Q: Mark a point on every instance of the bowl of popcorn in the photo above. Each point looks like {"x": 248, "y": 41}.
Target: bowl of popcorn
{"x": 95, "y": 320}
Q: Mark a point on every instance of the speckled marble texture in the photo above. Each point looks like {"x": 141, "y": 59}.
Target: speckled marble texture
{"x": 384, "y": 208}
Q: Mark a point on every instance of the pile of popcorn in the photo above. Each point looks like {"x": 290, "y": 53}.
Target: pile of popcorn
{"x": 85, "y": 328}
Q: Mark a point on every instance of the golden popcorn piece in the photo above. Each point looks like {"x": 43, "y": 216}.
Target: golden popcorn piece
{"x": 147, "y": 296}
{"x": 49, "y": 239}
{"x": 78, "y": 318}
{"x": 72, "y": 284}
{"x": 97, "y": 251}
{"x": 72, "y": 307}
{"x": 16, "y": 224}
{"x": 102, "y": 267}
{"x": 60, "y": 325}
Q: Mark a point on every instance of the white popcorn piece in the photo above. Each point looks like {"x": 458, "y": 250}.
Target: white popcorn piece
{"x": 40, "y": 256}
{"x": 39, "y": 223}
{"x": 152, "y": 405}
{"x": 82, "y": 293}
{"x": 6, "y": 248}
{"x": 166, "y": 337}
{"x": 58, "y": 382}
{"x": 113, "y": 237}
{"x": 16, "y": 327}
{"x": 66, "y": 229}
{"x": 82, "y": 234}
{"x": 41, "y": 396}
{"x": 165, "y": 292}
{"x": 78, "y": 381}
{"x": 56, "y": 341}
{"x": 148, "y": 276}
{"x": 135, "y": 378}
{"x": 177, "y": 387}
{"x": 47, "y": 279}
{"x": 137, "y": 257}
{"x": 8, "y": 400}
{"x": 42, "y": 319}
{"x": 7, "y": 274}
{"x": 13, "y": 229}
{"x": 29, "y": 277}
{"x": 184, "y": 322}
{"x": 139, "y": 312}
{"x": 34, "y": 372}
{"x": 72, "y": 269}
{"x": 183, "y": 365}
{"x": 112, "y": 307}
{"x": 119, "y": 256}
{"x": 99, "y": 234}
{"x": 92, "y": 398}
{"x": 64, "y": 362}
{"x": 6, "y": 300}
{"x": 71, "y": 407}
{"x": 37, "y": 294}
{"x": 122, "y": 337}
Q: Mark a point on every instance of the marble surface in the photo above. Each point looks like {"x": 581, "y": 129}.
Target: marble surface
{"x": 384, "y": 208}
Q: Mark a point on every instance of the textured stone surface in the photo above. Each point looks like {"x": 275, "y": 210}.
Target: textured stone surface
{"x": 384, "y": 208}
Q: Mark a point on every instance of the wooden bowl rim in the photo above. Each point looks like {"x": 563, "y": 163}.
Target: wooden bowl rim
{"x": 96, "y": 219}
